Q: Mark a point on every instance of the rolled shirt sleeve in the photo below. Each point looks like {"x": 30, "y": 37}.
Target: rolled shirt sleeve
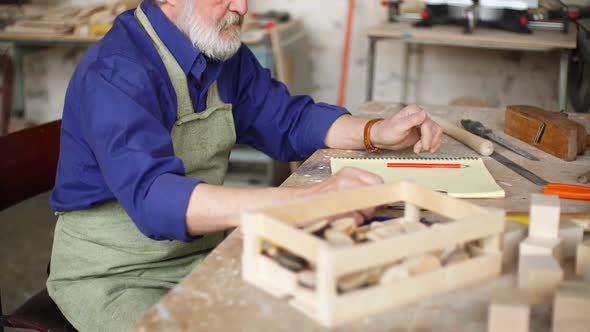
{"x": 268, "y": 118}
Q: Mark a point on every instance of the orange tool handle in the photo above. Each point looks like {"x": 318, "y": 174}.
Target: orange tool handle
{"x": 570, "y": 191}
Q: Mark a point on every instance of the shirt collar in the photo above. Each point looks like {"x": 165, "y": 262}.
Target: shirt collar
{"x": 179, "y": 45}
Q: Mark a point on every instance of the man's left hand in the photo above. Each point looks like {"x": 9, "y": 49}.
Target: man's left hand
{"x": 409, "y": 127}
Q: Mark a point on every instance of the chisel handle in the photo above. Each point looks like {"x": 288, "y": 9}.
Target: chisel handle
{"x": 478, "y": 144}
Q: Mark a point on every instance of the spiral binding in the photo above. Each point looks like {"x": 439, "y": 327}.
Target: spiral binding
{"x": 409, "y": 158}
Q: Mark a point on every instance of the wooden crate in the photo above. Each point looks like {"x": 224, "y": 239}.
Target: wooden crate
{"x": 279, "y": 226}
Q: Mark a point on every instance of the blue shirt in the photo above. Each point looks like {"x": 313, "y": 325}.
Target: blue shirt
{"x": 119, "y": 111}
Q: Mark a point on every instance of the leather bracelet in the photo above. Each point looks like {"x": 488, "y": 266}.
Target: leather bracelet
{"x": 367, "y": 136}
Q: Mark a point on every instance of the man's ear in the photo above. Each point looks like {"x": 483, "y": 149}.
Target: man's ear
{"x": 167, "y": 2}
{"x": 170, "y": 8}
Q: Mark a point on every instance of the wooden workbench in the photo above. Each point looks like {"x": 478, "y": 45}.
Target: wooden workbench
{"x": 482, "y": 37}
{"x": 214, "y": 297}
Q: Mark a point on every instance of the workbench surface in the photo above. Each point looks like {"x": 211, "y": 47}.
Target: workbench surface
{"x": 214, "y": 297}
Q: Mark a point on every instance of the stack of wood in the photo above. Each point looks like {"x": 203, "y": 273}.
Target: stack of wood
{"x": 344, "y": 232}
{"x": 337, "y": 272}
{"x": 93, "y": 20}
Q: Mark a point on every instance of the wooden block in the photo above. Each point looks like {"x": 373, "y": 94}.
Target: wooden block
{"x": 376, "y": 224}
{"x": 539, "y": 276}
{"x": 571, "y": 307}
{"x": 316, "y": 226}
{"x": 344, "y": 225}
{"x": 375, "y": 275}
{"x": 353, "y": 281}
{"x": 544, "y": 216}
{"x": 421, "y": 264}
{"x": 582, "y": 220}
{"x": 514, "y": 234}
{"x": 385, "y": 232}
{"x": 367, "y": 301}
{"x": 409, "y": 227}
{"x": 337, "y": 238}
{"x": 474, "y": 249}
{"x": 411, "y": 213}
{"x": 395, "y": 273}
{"x": 307, "y": 279}
{"x": 542, "y": 246}
{"x": 455, "y": 256}
{"x": 572, "y": 235}
{"x": 583, "y": 258}
{"x": 392, "y": 221}
{"x": 390, "y": 250}
{"x": 509, "y": 311}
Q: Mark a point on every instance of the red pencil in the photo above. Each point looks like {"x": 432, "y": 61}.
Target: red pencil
{"x": 424, "y": 165}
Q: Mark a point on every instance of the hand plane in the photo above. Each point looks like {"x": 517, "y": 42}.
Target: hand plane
{"x": 551, "y": 132}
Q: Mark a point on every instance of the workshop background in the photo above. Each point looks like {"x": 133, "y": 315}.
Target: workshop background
{"x": 494, "y": 77}
{"x": 445, "y": 75}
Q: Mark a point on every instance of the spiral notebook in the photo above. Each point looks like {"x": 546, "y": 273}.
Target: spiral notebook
{"x": 458, "y": 177}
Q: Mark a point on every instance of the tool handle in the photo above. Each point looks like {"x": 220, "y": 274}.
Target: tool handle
{"x": 584, "y": 178}
{"x": 567, "y": 191}
{"x": 478, "y": 144}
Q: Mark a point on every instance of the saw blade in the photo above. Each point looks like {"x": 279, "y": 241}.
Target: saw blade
{"x": 534, "y": 178}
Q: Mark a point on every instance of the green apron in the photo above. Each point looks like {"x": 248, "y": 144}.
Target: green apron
{"x": 105, "y": 274}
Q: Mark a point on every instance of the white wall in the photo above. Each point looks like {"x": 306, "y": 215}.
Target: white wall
{"x": 497, "y": 77}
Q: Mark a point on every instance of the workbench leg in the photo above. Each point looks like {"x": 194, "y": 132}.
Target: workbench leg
{"x": 19, "y": 81}
{"x": 419, "y": 66}
{"x": 405, "y": 73}
{"x": 371, "y": 68}
{"x": 563, "y": 71}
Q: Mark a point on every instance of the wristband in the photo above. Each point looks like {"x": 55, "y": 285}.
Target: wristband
{"x": 367, "y": 136}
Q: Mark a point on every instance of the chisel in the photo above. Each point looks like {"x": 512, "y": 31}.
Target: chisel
{"x": 486, "y": 148}
{"x": 477, "y": 128}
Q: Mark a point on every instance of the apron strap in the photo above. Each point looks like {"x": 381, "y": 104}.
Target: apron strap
{"x": 213, "y": 98}
{"x": 177, "y": 76}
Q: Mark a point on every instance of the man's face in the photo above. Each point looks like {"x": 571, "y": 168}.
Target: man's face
{"x": 214, "y": 11}
{"x": 213, "y": 26}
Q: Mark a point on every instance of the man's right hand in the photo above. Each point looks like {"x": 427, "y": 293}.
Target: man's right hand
{"x": 349, "y": 178}
{"x": 213, "y": 208}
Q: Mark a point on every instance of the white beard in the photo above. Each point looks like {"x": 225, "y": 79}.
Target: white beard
{"x": 218, "y": 42}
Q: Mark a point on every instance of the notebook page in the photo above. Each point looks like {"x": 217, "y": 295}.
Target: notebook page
{"x": 472, "y": 180}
